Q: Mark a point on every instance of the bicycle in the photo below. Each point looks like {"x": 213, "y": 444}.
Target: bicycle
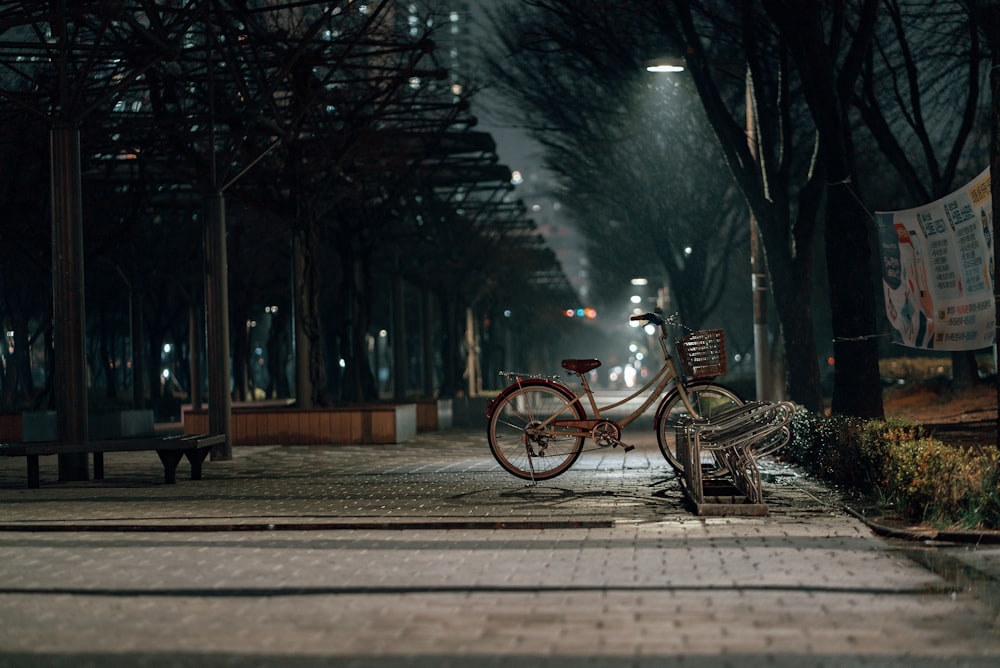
{"x": 537, "y": 426}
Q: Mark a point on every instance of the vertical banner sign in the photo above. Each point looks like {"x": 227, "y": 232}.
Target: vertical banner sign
{"x": 937, "y": 270}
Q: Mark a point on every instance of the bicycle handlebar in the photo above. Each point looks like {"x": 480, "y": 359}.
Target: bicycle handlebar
{"x": 656, "y": 318}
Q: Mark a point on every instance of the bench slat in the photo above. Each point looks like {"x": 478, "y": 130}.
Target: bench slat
{"x": 170, "y": 450}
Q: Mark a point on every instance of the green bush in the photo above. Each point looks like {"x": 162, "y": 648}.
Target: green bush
{"x": 847, "y": 452}
{"x": 896, "y": 462}
{"x": 943, "y": 484}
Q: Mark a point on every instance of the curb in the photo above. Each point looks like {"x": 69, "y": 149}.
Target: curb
{"x": 442, "y": 525}
{"x": 964, "y": 537}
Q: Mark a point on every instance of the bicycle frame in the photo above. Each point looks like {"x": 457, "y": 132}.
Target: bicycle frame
{"x": 659, "y": 382}
{"x": 537, "y": 426}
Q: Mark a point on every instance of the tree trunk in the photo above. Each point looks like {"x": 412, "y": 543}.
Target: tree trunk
{"x": 137, "y": 336}
{"x": 359, "y": 381}
{"x": 427, "y": 342}
{"x": 964, "y": 370}
{"x": 451, "y": 347}
{"x": 277, "y": 356}
{"x": 17, "y": 374}
{"x": 793, "y": 299}
{"x": 195, "y": 350}
{"x": 857, "y": 388}
{"x": 153, "y": 369}
{"x": 789, "y": 261}
{"x": 828, "y": 65}
{"x": 400, "y": 373}
{"x": 989, "y": 16}
{"x": 241, "y": 354}
{"x": 309, "y": 373}
{"x": 107, "y": 346}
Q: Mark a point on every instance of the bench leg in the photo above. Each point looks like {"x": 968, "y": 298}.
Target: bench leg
{"x": 195, "y": 458}
{"x": 98, "y": 466}
{"x": 170, "y": 459}
{"x": 34, "y": 480}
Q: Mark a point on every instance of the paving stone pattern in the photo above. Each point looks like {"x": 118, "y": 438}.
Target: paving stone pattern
{"x": 427, "y": 554}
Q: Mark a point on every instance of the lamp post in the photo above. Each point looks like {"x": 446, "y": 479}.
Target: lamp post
{"x": 758, "y": 273}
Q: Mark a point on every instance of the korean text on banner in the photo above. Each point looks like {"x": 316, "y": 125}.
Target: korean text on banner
{"x": 937, "y": 270}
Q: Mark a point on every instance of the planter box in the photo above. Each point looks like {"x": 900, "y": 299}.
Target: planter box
{"x": 342, "y": 425}
{"x": 39, "y": 426}
{"x": 433, "y": 415}
{"x": 35, "y": 426}
{"x": 10, "y": 428}
{"x": 120, "y": 424}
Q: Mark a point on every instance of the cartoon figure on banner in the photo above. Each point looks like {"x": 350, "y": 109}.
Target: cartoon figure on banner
{"x": 908, "y": 301}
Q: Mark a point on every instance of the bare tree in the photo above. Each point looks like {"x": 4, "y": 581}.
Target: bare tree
{"x": 908, "y": 102}
{"x": 779, "y": 179}
{"x": 618, "y": 140}
{"x": 828, "y": 44}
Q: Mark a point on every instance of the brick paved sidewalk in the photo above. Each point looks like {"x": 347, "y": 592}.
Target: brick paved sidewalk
{"x": 440, "y": 476}
{"x": 427, "y": 554}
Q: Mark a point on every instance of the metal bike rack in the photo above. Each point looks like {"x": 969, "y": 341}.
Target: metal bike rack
{"x": 735, "y": 439}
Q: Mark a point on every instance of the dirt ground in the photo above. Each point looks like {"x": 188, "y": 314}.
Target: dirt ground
{"x": 965, "y": 417}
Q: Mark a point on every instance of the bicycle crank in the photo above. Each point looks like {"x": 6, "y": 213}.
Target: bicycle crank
{"x": 607, "y": 433}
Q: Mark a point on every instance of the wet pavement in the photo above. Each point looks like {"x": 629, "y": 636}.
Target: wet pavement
{"x": 426, "y": 553}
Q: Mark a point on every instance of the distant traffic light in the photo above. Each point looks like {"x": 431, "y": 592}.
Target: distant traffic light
{"x": 587, "y": 312}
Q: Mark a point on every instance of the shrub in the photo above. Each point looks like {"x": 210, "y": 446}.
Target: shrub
{"x": 845, "y": 451}
{"x": 943, "y": 484}
{"x": 895, "y": 461}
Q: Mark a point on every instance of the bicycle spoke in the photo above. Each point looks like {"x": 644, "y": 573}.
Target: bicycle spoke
{"x": 706, "y": 399}
{"x": 524, "y": 448}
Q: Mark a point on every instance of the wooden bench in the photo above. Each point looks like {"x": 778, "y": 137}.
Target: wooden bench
{"x": 169, "y": 448}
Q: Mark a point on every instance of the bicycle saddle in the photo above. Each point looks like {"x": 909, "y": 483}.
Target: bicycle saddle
{"x": 580, "y": 366}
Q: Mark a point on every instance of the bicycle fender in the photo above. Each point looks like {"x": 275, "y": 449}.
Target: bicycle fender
{"x": 528, "y": 382}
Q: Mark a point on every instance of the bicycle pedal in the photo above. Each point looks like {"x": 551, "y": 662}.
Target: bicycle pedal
{"x": 627, "y": 448}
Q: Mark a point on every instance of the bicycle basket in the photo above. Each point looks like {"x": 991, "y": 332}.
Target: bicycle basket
{"x": 703, "y": 353}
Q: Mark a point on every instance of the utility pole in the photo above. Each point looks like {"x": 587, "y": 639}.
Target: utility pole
{"x": 758, "y": 270}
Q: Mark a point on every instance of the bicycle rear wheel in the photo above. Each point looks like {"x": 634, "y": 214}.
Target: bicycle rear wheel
{"x": 530, "y": 455}
{"x": 707, "y": 399}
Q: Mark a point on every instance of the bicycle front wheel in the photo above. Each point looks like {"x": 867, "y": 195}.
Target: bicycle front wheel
{"x": 707, "y": 399}
{"x": 528, "y": 453}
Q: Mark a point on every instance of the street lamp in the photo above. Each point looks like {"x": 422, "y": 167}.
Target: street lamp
{"x": 758, "y": 276}
{"x": 668, "y": 65}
